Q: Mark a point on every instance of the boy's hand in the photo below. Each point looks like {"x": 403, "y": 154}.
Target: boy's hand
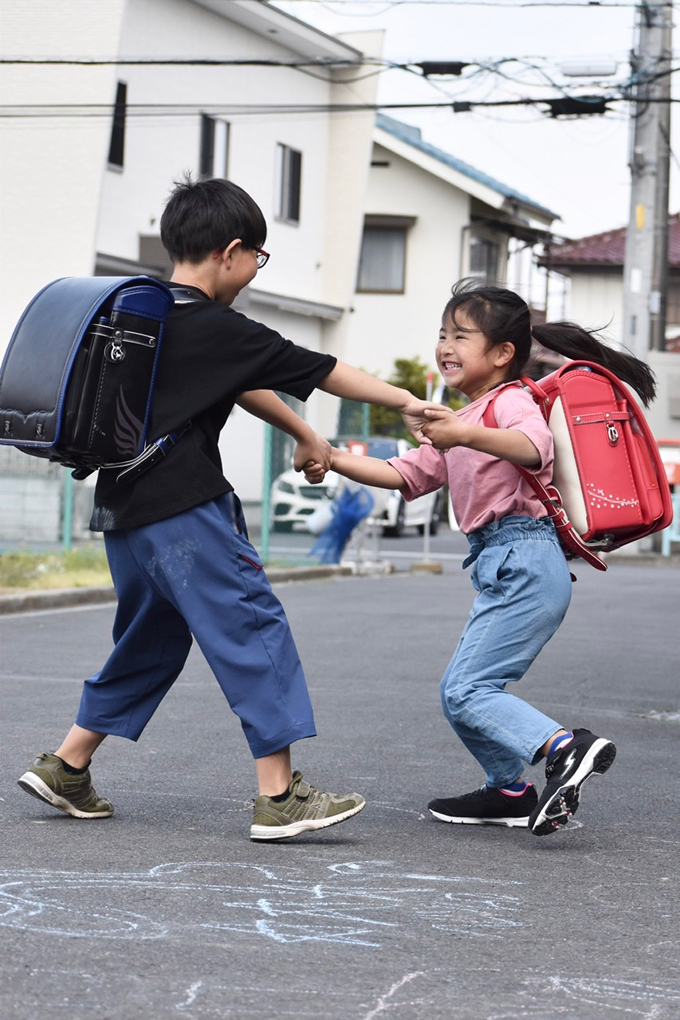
{"x": 444, "y": 428}
{"x": 313, "y": 451}
{"x": 415, "y": 418}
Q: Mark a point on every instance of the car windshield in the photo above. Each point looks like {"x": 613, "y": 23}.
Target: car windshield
{"x": 382, "y": 448}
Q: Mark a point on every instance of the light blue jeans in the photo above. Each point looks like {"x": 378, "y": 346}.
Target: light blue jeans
{"x": 524, "y": 588}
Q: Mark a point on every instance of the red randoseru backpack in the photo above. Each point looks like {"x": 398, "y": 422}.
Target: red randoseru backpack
{"x": 609, "y": 485}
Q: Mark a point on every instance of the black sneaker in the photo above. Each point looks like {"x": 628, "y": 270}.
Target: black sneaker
{"x": 488, "y": 806}
{"x": 566, "y": 772}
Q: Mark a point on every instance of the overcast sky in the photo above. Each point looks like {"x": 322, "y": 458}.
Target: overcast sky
{"x": 576, "y": 167}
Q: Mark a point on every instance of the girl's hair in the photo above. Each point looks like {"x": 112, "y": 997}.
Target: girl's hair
{"x": 501, "y": 315}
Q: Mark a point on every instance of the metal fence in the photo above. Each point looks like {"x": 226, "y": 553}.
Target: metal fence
{"x": 40, "y": 504}
{"x": 43, "y": 508}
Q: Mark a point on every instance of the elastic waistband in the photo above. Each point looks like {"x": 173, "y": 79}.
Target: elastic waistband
{"x": 509, "y": 530}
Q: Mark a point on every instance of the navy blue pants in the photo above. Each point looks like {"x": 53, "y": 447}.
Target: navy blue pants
{"x": 197, "y": 574}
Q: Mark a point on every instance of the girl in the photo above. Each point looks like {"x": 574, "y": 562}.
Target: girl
{"x": 519, "y": 569}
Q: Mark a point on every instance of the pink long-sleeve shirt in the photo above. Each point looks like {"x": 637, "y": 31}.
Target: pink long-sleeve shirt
{"x": 484, "y": 488}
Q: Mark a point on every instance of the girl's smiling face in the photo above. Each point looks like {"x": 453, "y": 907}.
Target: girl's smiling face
{"x": 465, "y": 360}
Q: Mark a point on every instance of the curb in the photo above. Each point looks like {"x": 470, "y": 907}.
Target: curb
{"x": 61, "y": 598}
{"x": 58, "y": 598}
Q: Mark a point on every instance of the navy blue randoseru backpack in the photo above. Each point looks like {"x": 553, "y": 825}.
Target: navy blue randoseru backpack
{"x": 76, "y": 383}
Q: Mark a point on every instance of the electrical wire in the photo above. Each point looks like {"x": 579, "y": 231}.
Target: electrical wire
{"x": 458, "y": 89}
{"x": 48, "y": 110}
{"x": 385, "y": 6}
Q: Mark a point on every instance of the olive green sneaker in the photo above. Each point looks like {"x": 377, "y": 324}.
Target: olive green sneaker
{"x": 304, "y": 809}
{"x": 48, "y": 780}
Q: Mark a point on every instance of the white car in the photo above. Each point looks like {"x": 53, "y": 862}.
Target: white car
{"x": 293, "y": 500}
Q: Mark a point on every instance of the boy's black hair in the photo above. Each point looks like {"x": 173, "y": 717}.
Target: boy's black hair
{"x": 205, "y": 216}
{"x": 501, "y": 315}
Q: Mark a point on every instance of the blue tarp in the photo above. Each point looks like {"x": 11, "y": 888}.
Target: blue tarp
{"x": 348, "y": 510}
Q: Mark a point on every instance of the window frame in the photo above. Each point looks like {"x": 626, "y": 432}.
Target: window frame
{"x": 116, "y": 154}
{"x": 398, "y": 225}
{"x": 214, "y": 147}
{"x": 489, "y": 244}
{"x": 288, "y": 184}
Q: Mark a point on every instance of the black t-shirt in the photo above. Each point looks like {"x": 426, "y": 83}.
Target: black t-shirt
{"x": 210, "y": 354}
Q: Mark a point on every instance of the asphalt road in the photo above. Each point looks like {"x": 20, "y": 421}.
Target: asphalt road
{"x": 167, "y": 910}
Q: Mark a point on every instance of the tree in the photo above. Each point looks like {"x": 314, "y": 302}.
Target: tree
{"x": 409, "y": 374}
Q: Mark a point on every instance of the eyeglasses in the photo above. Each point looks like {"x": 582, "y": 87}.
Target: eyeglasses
{"x": 262, "y": 257}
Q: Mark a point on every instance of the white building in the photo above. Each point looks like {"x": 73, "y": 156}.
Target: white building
{"x": 429, "y": 219}
{"x": 90, "y": 152}
{"x": 144, "y": 90}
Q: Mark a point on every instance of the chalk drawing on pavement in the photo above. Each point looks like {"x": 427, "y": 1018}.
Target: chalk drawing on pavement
{"x": 352, "y": 903}
{"x": 384, "y": 1001}
{"x": 630, "y": 1000}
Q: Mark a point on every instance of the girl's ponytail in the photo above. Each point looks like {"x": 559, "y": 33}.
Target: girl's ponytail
{"x": 580, "y": 344}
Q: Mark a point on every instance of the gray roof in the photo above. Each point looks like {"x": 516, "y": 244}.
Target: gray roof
{"x": 411, "y": 136}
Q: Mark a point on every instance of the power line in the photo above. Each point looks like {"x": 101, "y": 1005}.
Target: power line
{"x": 194, "y": 62}
{"x": 585, "y": 4}
{"x": 559, "y": 106}
{"x": 426, "y": 68}
{"x": 436, "y": 74}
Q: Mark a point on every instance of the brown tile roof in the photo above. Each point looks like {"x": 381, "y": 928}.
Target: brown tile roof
{"x": 607, "y": 249}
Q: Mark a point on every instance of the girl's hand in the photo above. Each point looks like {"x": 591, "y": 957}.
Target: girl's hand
{"x": 314, "y": 473}
{"x": 444, "y": 428}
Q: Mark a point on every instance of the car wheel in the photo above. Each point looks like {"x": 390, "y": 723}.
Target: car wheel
{"x": 398, "y": 530}
{"x": 434, "y": 525}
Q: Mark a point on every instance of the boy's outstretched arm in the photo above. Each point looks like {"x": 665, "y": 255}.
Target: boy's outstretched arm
{"x": 366, "y": 470}
{"x": 312, "y": 452}
{"x": 353, "y": 384}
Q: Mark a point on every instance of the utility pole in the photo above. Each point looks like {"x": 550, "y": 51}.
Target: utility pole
{"x": 646, "y": 260}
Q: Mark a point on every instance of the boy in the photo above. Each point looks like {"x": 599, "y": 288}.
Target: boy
{"x": 176, "y": 540}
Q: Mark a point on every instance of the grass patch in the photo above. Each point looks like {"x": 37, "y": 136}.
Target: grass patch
{"x": 76, "y": 568}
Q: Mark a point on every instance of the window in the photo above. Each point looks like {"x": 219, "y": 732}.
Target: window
{"x": 214, "y": 154}
{"x": 117, "y": 145}
{"x": 289, "y": 177}
{"x": 484, "y": 258}
{"x": 382, "y": 263}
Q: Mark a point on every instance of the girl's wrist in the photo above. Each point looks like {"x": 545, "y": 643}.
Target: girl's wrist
{"x": 467, "y": 436}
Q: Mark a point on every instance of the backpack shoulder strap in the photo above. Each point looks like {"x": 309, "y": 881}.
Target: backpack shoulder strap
{"x": 186, "y": 295}
{"x": 158, "y": 450}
